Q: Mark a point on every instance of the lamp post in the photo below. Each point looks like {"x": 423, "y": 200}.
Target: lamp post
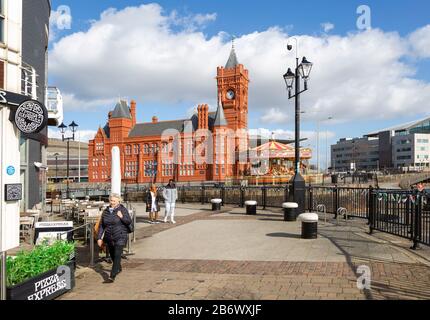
{"x": 56, "y": 166}
{"x": 302, "y": 70}
{"x": 327, "y": 147}
{"x": 63, "y": 128}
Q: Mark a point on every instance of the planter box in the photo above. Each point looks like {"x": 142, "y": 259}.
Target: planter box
{"x": 46, "y": 286}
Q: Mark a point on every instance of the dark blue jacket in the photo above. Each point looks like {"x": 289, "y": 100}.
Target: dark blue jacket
{"x": 115, "y": 229}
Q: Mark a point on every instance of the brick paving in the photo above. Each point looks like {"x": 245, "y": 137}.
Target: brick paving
{"x": 190, "y": 279}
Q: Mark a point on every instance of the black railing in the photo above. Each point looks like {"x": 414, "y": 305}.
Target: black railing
{"x": 402, "y": 213}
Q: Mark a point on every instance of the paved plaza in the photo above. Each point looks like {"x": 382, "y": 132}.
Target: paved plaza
{"x": 230, "y": 255}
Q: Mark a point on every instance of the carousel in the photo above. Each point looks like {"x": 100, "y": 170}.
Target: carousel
{"x": 273, "y": 162}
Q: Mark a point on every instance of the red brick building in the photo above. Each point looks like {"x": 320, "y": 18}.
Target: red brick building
{"x": 202, "y": 148}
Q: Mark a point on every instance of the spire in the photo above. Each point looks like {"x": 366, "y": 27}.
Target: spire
{"x": 232, "y": 59}
{"x": 219, "y": 117}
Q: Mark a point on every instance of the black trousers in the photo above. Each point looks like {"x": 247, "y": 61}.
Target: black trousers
{"x": 115, "y": 252}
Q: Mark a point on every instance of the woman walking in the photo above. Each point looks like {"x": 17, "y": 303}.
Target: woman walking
{"x": 170, "y": 195}
{"x": 152, "y": 204}
{"x": 114, "y": 229}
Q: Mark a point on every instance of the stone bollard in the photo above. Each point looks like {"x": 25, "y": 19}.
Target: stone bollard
{"x": 251, "y": 207}
{"x": 290, "y": 211}
{"x": 309, "y": 225}
{"x": 216, "y": 204}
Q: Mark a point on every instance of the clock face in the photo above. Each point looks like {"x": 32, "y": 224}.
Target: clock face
{"x": 230, "y": 94}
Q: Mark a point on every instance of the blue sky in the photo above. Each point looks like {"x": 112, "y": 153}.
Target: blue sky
{"x": 243, "y": 19}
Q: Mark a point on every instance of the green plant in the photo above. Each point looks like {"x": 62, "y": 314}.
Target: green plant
{"x": 44, "y": 257}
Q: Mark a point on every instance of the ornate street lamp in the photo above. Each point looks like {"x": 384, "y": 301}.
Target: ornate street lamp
{"x": 297, "y": 184}
{"x": 73, "y": 127}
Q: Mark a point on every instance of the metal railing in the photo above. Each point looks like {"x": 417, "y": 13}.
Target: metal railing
{"x": 404, "y": 218}
{"x": 401, "y": 213}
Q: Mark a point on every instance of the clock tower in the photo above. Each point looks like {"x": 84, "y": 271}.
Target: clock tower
{"x": 233, "y": 88}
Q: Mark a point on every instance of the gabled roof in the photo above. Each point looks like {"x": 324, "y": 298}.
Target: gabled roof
{"x": 121, "y": 110}
{"x": 219, "y": 117}
{"x": 157, "y": 129}
{"x": 106, "y": 129}
{"x": 232, "y": 60}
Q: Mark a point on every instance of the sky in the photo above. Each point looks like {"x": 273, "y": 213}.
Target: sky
{"x": 371, "y": 68}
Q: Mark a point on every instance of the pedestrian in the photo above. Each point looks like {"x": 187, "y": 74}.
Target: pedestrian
{"x": 170, "y": 195}
{"x": 152, "y": 204}
{"x": 114, "y": 229}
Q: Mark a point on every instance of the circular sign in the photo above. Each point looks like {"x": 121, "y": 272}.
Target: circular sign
{"x": 31, "y": 117}
{"x": 10, "y": 170}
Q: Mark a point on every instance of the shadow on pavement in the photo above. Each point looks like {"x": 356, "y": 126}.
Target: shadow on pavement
{"x": 284, "y": 235}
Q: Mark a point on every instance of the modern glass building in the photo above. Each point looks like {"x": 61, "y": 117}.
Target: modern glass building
{"x": 405, "y": 146}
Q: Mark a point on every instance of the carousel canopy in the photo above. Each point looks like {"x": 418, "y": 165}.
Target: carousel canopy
{"x": 277, "y": 150}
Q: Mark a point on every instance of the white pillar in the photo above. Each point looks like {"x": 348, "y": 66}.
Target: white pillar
{"x": 116, "y": 171}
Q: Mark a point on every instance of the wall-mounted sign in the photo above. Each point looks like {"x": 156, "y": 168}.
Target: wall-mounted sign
{"x": 10, "y": 170}
{"x": 31, "y": 117}
{"x": 13, "y": 192}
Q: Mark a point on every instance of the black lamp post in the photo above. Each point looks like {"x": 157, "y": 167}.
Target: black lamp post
{"x": 56, "y": 166}
{"x": 302, "y": 70}
{"x": 63, "y": 128}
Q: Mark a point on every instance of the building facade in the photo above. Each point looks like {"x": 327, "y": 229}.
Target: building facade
{"x": 205, "y": 147}
{"x": 34, "y": 68}
{"x": 405, "y": 147}
{"x": 24, "y": 34}
{"x": 57, "y": 161}
{"x": 357, "y": 153}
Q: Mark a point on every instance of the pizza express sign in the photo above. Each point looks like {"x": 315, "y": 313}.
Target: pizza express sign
{"x": 29, "y": 116}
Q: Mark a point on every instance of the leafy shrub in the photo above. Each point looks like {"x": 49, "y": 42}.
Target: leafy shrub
{"x": 44, "y": 257}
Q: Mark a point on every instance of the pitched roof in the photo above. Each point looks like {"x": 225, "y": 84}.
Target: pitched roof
{"x": 107, "y": 130}
{"x": 121, "y": 110}
{"x": 157, "y": 129}
{"x": 219, "y": 117}
{"x": 232, "y": 60}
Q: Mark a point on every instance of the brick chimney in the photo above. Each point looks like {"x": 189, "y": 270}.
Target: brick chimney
{"x": 154, "y": 119}
{"x": 203, "y": 114}
{"x": 133, "y": 112}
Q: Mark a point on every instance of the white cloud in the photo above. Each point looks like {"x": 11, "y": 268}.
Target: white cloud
{"x": 141, "y": 52}
{"x": 327, "y": 26}
{"x": 71, "y": 102}
{"x": 420, "y": 41}
{"x": 81, "y": 135}
{"x": 274, "y": 116}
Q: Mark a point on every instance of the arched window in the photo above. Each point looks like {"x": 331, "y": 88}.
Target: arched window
{"x": 146, "y": 149}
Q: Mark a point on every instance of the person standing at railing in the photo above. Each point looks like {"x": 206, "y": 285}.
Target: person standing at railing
{"x": 170, "y": 194}
{"x": 152, "y": 204}
{"x": 114, "y": 229}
